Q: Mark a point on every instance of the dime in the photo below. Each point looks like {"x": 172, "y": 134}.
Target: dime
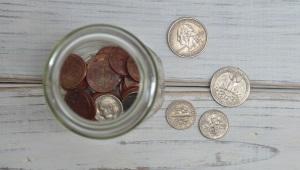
{"x": 181, "y": 114}
{"x": 133, "y": 69}
{"x": 129, "y": 100}
{"x": 213, "y": 124}
{"x": 81, "y": 103}
{"x": 108, "y": 107}
{"x": 230, "y": 86}
{"x": 118, "y": 61}
{"x": 100, "y": 77}
{"x": 187, "y": 37}
{"x": 72, "y": 72}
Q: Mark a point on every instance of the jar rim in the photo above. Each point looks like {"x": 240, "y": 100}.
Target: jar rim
{"x": 148, "y": 82}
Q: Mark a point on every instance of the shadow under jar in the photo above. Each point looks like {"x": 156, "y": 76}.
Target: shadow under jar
{"x": 86, "y": 42}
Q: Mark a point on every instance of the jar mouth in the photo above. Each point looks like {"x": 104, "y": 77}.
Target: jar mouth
{"x": 107, "y": 34}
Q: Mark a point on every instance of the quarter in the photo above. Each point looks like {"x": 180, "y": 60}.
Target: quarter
{"x": 213, "y": 124}
{"x": 181, "y": 114}
{"x": 187, "y": 37}
{"x": 230, "y": 86}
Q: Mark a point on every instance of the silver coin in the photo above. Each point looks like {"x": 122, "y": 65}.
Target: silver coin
{"x": 108, "y": 107}
{"x": 187, "y": 37}
{"x": 230, "y": 86}
{"x": 181, "y": 114}
{"x": 213, "y": 124}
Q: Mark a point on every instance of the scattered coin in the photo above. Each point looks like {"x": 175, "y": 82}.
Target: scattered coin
{"x": 81, "y": 103}
{"x": 213, "y": 124}
{"x": 133, "y": 69}
{"x": 108, "y": 107}
{"x": 72, "y": 72}
{"x": 230, "y": 86}
{"x": 100, "y": 77}
{"x": 118, "y": 61}
{"x": 181, "y": 114}
{"x": 187, "y": 37}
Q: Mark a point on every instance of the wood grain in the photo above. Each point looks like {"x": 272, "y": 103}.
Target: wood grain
{"x": 263, "y": 135}
{"x": 261, "y": 37}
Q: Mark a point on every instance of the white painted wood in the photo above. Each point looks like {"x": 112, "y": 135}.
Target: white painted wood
{"x": 264, "y": 134}
{"x": 261, "y": 37}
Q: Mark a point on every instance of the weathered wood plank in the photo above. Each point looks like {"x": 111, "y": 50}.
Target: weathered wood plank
{"x": 263, "y": 135}
{"x": 261, "y": 37}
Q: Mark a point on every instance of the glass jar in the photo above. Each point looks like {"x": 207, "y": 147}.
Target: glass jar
{"x": 86, "y": 41}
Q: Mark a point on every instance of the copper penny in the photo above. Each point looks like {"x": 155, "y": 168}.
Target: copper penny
{"x": 128, "y": 83}
{"x": 126, "y": 92}
{"x": 133, "y": 69}
{"x": 100, "y": 76}
{"x": 118, "y": 61}
{"x": 72, "y": 72}
{"x": 81, "y": 103}
{"x": 83, "y": 85}
{"x": 105, "y": 50}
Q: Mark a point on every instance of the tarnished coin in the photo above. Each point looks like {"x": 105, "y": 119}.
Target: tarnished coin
{"x": 187, "y": 37}
{"x": 118, "y": 61}
{"x": 129, "y": 100}
{"x": 81, "y": 103}
{"x": 181, "y": 114}
{"x": 72, "y": 72}
{"x": 230, "y": 86}
{"x": 100, "y": 76}
{"x": 126, "y": 92}
{"x": 213, "y": 124}
{"x": 133, "y": 69}
{"x": 105, "y": 50}
{"x": 108, "y": 107}
{"x": 129, "y": 83}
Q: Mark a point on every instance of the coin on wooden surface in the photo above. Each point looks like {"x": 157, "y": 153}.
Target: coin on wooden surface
{"x": 118, "y": 61}
{"x": 72, "y": 72}
{"x": 133, "y": 69}
{"x": 213, "y": 124}
{"x": 108, "y": 107}
{"x": 230, "y": 86}
{"x": 81, "y": 103}
{"x": 187, "y": 37}
{"x": 100, "y": 76}
{"x": 181, "y": 114}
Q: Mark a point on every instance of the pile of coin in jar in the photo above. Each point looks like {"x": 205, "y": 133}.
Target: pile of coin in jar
{"x": 103, "y": 87}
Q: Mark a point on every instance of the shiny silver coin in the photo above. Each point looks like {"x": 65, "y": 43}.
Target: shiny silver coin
{"x": 230, "y": 86}
{"x": 187, "y": 37}
{"x": 213, "y": 124}
{"x": 108, "y": 107}
{"x": 181, "y": 114}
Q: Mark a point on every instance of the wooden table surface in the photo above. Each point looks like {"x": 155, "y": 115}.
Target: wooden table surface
{"x": 261, "y": 37}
